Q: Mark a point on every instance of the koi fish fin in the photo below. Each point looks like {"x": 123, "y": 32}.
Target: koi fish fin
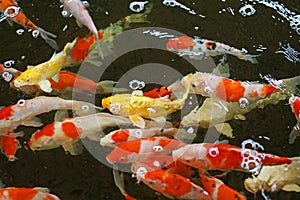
{"x": 42, "y": 189}
{"x": 291, "y": 188}
{"x": 55, "y": 78}
{"x": 137, "y": 120}
{"x": 119, "y": 181}
{"x": 104, "y": 87}
{"x": 74, "y": 148}
{"x": 45, "y": 86}
{"x": 60, "y": 115}
{"x": 96, "y": 136}
{"x": 294, "y": 133}
{"x": 34, "y": 121}
{"x": 17, "y": 134}
{"x": 250, "y": 58}
{"x": 79, "y": 24}
{"x": 46, "y": 36}
{"x": 225, "y": 129}
{"x": 160, "y": 119}
{"x": 100, "y": 52}
{"x": 10, "y": 22}
{"x": 222, "y": 69}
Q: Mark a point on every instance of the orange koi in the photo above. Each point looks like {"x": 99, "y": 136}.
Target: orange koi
{"x": 196, "y": 47}
{"x": 24, "y": 111}
{"x": 17, "y": 15}
{"x": 10, "y": 144}
{"x": 295, "y": 106}
{"x": 171, "y": 185}
{"x": 225, "y": 157}
{"x": 162, "y": 92}
{"x": 218, "y": 190}
{"x": 14, "y": 193}
{"x": 139, "y": 150}
{"x": 210, "y": 85}
{"x": 117, "y": 137}
{"x": 67, "y": 133}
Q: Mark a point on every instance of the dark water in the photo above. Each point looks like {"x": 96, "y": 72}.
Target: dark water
{"x": 83, "y": 177}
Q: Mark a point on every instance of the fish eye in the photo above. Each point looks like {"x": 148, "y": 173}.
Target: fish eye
{"x": 122, "y": 159}
{"x": 21, "y": 102}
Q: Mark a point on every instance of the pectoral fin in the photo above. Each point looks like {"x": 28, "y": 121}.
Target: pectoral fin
{"x": 55, "y": 78}
{"x": 60, "y": 115}
{"x": 137, "y": 120}
{"x": 45, "y": 86}
{"x": 74, "y": 148}
{"x": 225, "y": 129}
{"x": 291, "y": 188}
{"x": 78, "y": 23}
{"x": 34, "y": 121}
{"x": 294, "y": 133}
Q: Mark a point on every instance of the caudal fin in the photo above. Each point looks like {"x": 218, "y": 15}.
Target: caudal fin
{"x": 47, "y": 37}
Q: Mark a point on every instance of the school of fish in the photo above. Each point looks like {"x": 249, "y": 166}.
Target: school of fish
{"x": 160, "y": 153}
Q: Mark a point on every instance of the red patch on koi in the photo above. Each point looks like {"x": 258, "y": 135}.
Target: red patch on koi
{"x": 267, "y": 90}
{"x": 120, "y": 136}
{"x": 182, "y": 42}
{"x": 158, "y": 92}
{"x": 296, "y": 106}
{"x": 253, "y": 94}
{"x": 70, "y": 130}
{"x": 6, "y": 113}
{"x": 230, "y": 90}
{"x": 10, "y": 145}
{"x": 82, "y": 46}
{"x": 46, "y": 131}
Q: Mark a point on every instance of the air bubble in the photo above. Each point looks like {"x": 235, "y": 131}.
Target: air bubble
{"x": 9, "y": 63}
{"x": 35, "y": 33}
{"x": 247, "y": 10}
{"x": 214, "y": 151}
{"x": 158, "y": 148}
{"x": 7, "y": 76}
{"x": 21, "y": 102}
{"x": 136, "y": 84}
{"x": 20, "y": 31}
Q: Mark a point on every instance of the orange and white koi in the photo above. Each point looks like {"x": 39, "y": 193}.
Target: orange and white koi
{"x": 24, "y": 111}
{"x": 67, "y": 132}
{"x": 244, "y": 92}
{"x": 218, "y": 190}
{"x": 161, "y": 92}
{"x": 10, "y": 144}
{"x": 11, "y": 9}
{"x": 139, "y": 150}
{"x": 225, "y": 157}
{"x": 295, "y": 106}
{"x": 196, "y": 47}
{"x": 14, "y": 193}
{"x": 171, "y": 185}
{"x": 79, "y": 11}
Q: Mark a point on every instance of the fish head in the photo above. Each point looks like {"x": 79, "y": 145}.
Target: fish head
{"x": 295, "y": 105}
{"x": 43, "y": 139}
{"x": 26, "y": 78}
{"x": 117, "y": 102}
{"x": 180, "y": 43}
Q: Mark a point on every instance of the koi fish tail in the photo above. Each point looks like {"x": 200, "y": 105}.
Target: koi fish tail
{"x": 119, "y": 181}
{"x": 105, "y": 87}
{"x": 47, "y": 37}
{"x": 250, "y": 58}
{"x": 294, "y": 133}
{"x": 292, "y": 83}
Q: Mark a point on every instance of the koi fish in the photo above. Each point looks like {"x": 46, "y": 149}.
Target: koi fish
{"x": 295, "y": 106}
{"x": 41, "y": 73}
{"x": 138, "y": 150}
{"x": 225, "y": 157}
{"x": 117, "y": 137}
{"x": 197, "y": 47}
{"x": 10, "y": 144}
{"x": 162, "y": 92}
{"x": 79, "y": 11}
{"x": 218, "y": 190}
{"x": 16, "y": 14}
{"x": 210, "y": 85}
{"x": 13, "y": 193}
{"x": 67, "y": 133}
{"x": 137, "y": 106}
{"x": 171, "y": 185}
{"x": 24, "y": 111}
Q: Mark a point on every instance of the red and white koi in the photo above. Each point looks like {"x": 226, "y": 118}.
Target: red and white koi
{"x": 117, "y": 137}
{"x": 24, "y": 111}
{"x": 10, "y": 144}
{"x": 13, "y": 193}
{"x": 171, "y": 185}
{"x": 139, "y": 150}
{"x": 244, "y": 92}
{"x": 79, "y": 11}
{"x": 67, "y": 132}
{"x": 225, "y": 157}
{"x": 295, "y": 106}
{"x": 196, "y": 47}
{"x": 13, "y": 12}
{"x": 218, "y": 190}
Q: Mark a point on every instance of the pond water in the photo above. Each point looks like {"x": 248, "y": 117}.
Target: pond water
{"x": 263, "y": 27}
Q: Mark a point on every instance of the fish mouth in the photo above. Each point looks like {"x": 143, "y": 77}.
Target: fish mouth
{"x": 17, "y": 84}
